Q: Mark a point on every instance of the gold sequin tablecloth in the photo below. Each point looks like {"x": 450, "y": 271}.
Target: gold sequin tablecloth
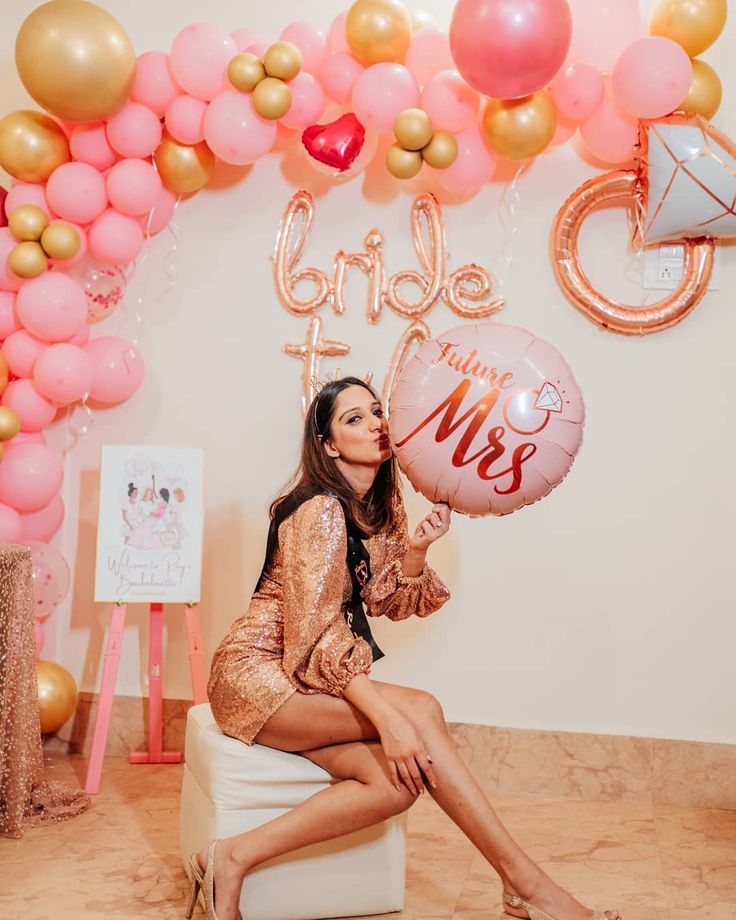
{"x": 25, "y": 796}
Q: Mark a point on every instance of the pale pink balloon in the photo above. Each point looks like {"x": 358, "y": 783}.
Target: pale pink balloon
{"x": 80, "y": 338}
{"x": 115, "y": 238}
{"x": 234, "y": 131}
{"x": 311, "y": 41}
{"x": 76, "y": 192}
{"x": 601, "y": 30}
{"x": 9, "y": 322}
{"x": 577, "y": 91}
{"x": 564, "y": 130}
{"x": 428, "y": 54}
{"x": 90, "y": 145}
{"x": 51, "y": 578}
{"x": 25, "y": 437}
{"x": 259, "y": 49}
{"x": 34, "y": 410}
{"x": 118, "y": 369}
{"x": 63, "y": 373}
{"x": 30, "y": 476}
{"x": 307, "y": 101}
{"x": 21, "y": 350}
{"x": 44, "y": 523}
{"x": 381, "y": 93}
{"x": 336, "y": 40}
{"x": 27, "y": 193}
{"x": 11, "y": 525}
{"x": 134, "y": 131}
{"x": 9, "y": 281}
{"x": 450, "y": 103}
{"x": 199, "y": 58}
{"x": 652, "y": 77}
{"x": 81, "y": 252}
{"x": 473, "y": 166}
{"x": 39, "y": 637}
{"x": 246, "y": 37}
{"x": 339, "y": 74}
{"x": 610, "y": 133}
{"x": 52, "y": 306}
{"x": 161, "y": 213}
{"x": 133, "y": 187}
{"x": 185, "y": 119}
{"x": 487, "y": 418}
{"x": 154, "y": 86}
{"x": 510, "y": 49}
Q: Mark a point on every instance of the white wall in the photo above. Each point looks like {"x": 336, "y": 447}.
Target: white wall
{"x": 608, "y": 607}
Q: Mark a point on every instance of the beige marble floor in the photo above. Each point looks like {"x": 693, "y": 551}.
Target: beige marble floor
{"x": 121, "y": 858}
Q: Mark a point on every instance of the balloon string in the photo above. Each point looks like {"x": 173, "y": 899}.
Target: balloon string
{"x": 76, "y": 432}
{"x": 508, "y": 207}
{"x": 634, "y": 266}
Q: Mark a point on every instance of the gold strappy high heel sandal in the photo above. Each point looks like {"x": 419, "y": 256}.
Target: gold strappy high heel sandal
{"x": 206, "y": 882}
{"x": 536, "y": 913}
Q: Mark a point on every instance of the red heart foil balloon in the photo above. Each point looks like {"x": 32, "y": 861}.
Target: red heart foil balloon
{"x": 337, "y": 143}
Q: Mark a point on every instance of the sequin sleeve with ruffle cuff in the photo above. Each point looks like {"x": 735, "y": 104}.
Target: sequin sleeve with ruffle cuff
{"x": 321, "y": 655}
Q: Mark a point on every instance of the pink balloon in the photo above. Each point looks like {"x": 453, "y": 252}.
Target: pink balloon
{"x": 199, "y": 58}
{"x": 21, "y": 350}
{"x": 27, "y": 193}
{"x": 473, "y": 166}
{"x": 652, "y": 77}
{"x": 259, "y": 49}
{"x": 601, "y": 30}
{"x": 63, "y": 373}
{"x": 39, "y": 637}
{"x": 11, "y": 525}
{"x": 161, "y": 213}
{"x": 185, "y": 119}
{"x": 9, "y": 281}
{"x": 134, "y": 131}
{"x": 311, "y": 41}
{"x": 3, "y": 216}
{"x": 487, "y": 418}
{"x": 90, "y": 145}
{"x": 51, "y": 578}
{"x": 564, "y": 130}
{"x": 428, "y": 54}
{"x": 339, "y": 74}
{"x": 246, "y": 37}
{"x": 76, "y": 192}
{"x": 30, "y": 476}
{"x": 118, "y": 369}
{"x": 510, "y": 49}
{"x": 133, "y": 187}
{"x": 610, "y": 133}
{"x": 80, "y": 338}
{"x": 234, "y": 131}
{"x": 44, "y": 523}
{"x": 81, "y": 252}
{"x": 34, "y": 410}
{"x": 154, "y": 86}
{"x": 336, "y": 40}
{"x": 52, "y": 306}
{"x": 115, "y": 238}
{"x": 578, "y": 91}
{"x": 307, "y": 101}
{"x": 450, "y": 103}
{"x": 9, "y": 322}
{"x": 26, "y": 437}
{"x": 381, "y": 94}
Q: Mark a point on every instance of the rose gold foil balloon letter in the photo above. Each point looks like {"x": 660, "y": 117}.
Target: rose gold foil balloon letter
{"x": 290, "y": 240}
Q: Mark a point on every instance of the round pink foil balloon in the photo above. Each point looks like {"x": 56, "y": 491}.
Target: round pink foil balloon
{"x": 510, "y": 49}
{"x": 602, "y": 29}
{"x": 44, "y": 523}
{"x": 652, "y": 77}
{"x": 30, "y": 476}
{"x": 52, "y": 306}
{"x": 35, "y": 411}
{"x": 118, "y": 369}
{"x": 51, "y": 579}
{"x": 76, "y": 192}
{"x": 450, "y": 103}
{"x": 154, "y": 86}
{"x": 578, "y": 91}
{"x": 381, "y": 93}
{"x": 339, "y": 74}
{"x": 487, "y": 418}
{"x": 311, "y": 41}
{"x": 11, "y": 525}
{"x": 428, "y": 54}
{"x": 91, "y": 146}
{"x": 133, "y": 187}
{"x": 63, "y": 373}
{"x": 199, "y": 58}
{"x": 21, "y": 351}
{"x": 185, "y": 119}
{"x": 234, "y": 131}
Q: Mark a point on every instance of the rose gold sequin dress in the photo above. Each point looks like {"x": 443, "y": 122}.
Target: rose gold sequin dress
{"x": 294, "y": 636}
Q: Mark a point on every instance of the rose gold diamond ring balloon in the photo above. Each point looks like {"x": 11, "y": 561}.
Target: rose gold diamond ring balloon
{"x": 683, "y": 190}
{"x": 487, "y": 418}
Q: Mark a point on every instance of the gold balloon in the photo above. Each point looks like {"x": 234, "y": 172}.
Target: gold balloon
{"x": 705, "y": 93}
{"x": 413, "y": 129}
{"x": 441, "y": 151}
{"x": 32, "y": 145}
{"x": 694, "y": 24}
{"x": 282, "y": 60}
{"x": 272, "y": 98}
{"x": 61, "y": 241}
{"x": 378, "y": 30}
{"x": 57, "y": 694}
{"x": 520, "y": 128}
{"x": 401, "y": 163}
{"x": 245, "y": 72}
{"x": 75, "y": 60}
{"x": 28, "y": 260}
{"x": 183, "y": 168}
{"x": 27, "y": 222}
{"x": 9, "y": 418}
{"x": 4, "y": 374}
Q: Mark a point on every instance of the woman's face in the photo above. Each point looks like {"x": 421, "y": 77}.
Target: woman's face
{"x": 359, "y": 431}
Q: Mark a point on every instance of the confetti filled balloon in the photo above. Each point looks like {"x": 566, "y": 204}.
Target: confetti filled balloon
{"x": 51, "y": 578}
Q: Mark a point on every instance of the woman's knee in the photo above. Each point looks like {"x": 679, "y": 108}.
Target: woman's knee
{"x": 426, "y": 709}
{"x": 393, "y": 801}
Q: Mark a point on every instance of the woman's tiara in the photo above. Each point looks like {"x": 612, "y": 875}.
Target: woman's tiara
{"x": 319, "y": 383}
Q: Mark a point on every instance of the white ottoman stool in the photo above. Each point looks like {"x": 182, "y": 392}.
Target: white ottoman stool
{"x": 230, "y": 787}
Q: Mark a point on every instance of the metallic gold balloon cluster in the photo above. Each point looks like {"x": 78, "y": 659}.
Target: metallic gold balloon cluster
{"x": 39, "y": 241}
{"x": 417, "y": 142}
{"x": 32, "y": 145}
{"x": 266, "y": 79}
